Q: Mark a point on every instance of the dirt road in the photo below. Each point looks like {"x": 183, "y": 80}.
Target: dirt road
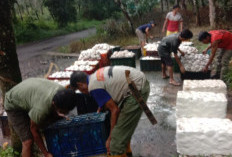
{"x": 33, "y": 58}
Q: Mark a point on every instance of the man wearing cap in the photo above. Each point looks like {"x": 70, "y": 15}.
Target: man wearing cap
{"x": 218, "y": 39}
{"x": 173, "y": 21}
{"x": 143, "y": 33}
{"x": 35, "y": 103}
{"x": 110, "y": 89}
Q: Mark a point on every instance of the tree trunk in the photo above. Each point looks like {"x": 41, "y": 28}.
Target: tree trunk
{"x": 198, "y": 19}
{"x": 19, "y": 9}
{"x": 212, "y": 14}
{"x": 162, "y": 5}
{"x": 177, "y": 2}
{"x": 126, "y": 14}
{"x": 203, "y": 3}
{"x": 183, "y": 5}
{"x": 167, "y": 5}
{"x": 10, "y": 73}
{"x": 191, "y": 3}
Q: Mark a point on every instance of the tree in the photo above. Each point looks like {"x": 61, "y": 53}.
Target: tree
{"x": 63, "y": 11}
{"x": 212, "y": 14}
{"x": 10, "y": 73}
{"x": 198, "y": 19}
{"x": 126, "y": 14}
{"x": 183, "y": 5}
{"x": 162, "y": 5}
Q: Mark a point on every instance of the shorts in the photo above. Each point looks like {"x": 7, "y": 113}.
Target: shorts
{"x": 21, "y": 124}
{"x": 169, "y": 33}
{"x": 167, "y": 61}
{"x": 141, "y": 35}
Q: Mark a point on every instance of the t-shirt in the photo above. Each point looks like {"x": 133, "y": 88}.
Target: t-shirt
{"x": 33, "y": 96}
{"x": 173, "y": 21}
{"x": 110, "y": 83}
{"x": 144, "y": 27}
{"x": 168, "y": 45}
{"x": 223, "y": 35}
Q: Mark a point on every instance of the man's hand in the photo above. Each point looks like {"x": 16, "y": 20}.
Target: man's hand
{"x": 108, "y": 145}
{"x": 182, "y": 69}
{"x": 204, "y": 52}
{"x": 205, "y": 69}
{"x": 182, "y": 53}
{"x": 163, "y": 30}
{"x": 48, "y": 155}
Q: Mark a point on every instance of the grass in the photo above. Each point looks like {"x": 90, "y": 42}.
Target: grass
{"x": 27, "y": 31}
{"x": 89, "y": 42}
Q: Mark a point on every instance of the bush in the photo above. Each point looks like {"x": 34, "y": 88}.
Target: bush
{"x": 7, "y": 151}
{"x": 228, "y": 77}
{"x": 117, "y": 28}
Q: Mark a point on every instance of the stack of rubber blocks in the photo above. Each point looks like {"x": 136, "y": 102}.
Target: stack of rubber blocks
{"x": 202, "y": 127}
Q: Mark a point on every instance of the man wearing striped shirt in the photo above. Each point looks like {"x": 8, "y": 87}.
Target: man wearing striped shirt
{"x": 173, "y": 21}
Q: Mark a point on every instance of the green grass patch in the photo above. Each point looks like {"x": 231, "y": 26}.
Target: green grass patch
{"x": 28, "y": 31}
{"x": 89, "y": 42}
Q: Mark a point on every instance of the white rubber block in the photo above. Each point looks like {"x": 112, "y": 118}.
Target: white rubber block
{"x": 216, "y": 86}
{"x": 204, "y": 136}
{"x": 200, "y": 104}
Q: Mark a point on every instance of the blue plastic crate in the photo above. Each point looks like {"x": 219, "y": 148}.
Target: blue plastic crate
{"x": 82, "y": 136}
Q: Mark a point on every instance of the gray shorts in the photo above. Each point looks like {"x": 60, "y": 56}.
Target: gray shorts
{"x": 141, "y": 35}
{"x": 21, "y": 124}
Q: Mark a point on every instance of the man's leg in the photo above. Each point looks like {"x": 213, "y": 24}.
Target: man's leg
{"x": 21, "y": 124}
{"x": 27, "y": 145}
{"x": 172, "y": 81}
{"x": 164, "y": 75}
{"x": 219, "y": 55}
{"x": 127, "y": 122}
{"x": 227, "y": 55}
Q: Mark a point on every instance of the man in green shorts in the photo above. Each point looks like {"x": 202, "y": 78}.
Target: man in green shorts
{"x": 110, "y": 89}
{"x": 168, "y": 45}
{"x": 35, "y": 103}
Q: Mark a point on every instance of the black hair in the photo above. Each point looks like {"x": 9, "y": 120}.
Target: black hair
{"x": 186, "y": 34}
{"x": 176, "y": 6}
{"x": 65, "y": 99}
{"x": 203, "y": 35}
{"x": 78, "y": 76}
{"x": 152, "y": 22}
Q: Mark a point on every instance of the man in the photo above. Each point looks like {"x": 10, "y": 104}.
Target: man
{"x": 173, "y": 21}
{"x": 143, "y": 33}
{"x": 110, "y": 89}
{"x": 218, "y": 39}
{"x": 168, "y": 45}
{"x": 34, "y": 103}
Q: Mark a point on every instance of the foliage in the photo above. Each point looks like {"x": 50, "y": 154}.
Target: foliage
{"x": 139, "y": 7}
{"x": 98, "y": 9}
{"x": 27, "y": 30}
{"x": 8, "y": 152}
{"x": 63, "y": 11}
{"x": 228, "y": 77}
{"x": 116, "y": 28}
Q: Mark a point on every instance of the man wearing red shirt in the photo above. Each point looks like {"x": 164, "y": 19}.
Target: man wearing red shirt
{"x": 172, "y": 21}
{"x": 218, "y": 39}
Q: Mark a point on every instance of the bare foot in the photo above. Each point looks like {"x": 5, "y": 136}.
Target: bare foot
{"x": 174, "y": 83}
{"x": 165, "y": 76}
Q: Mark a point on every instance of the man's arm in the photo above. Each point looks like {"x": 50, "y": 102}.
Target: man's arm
{"x": 164, "y": 26}
{"x": 181, "y": 26}
{"x": 179, "y": 63}
{"x": 182, "y": 53}
{"x": 114, "y": 117}
{"x": 148, "y": 33}
{"x": 209, "y": 47}
{"x": 38, "y": 139}
{"x": 214, "y": 46}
